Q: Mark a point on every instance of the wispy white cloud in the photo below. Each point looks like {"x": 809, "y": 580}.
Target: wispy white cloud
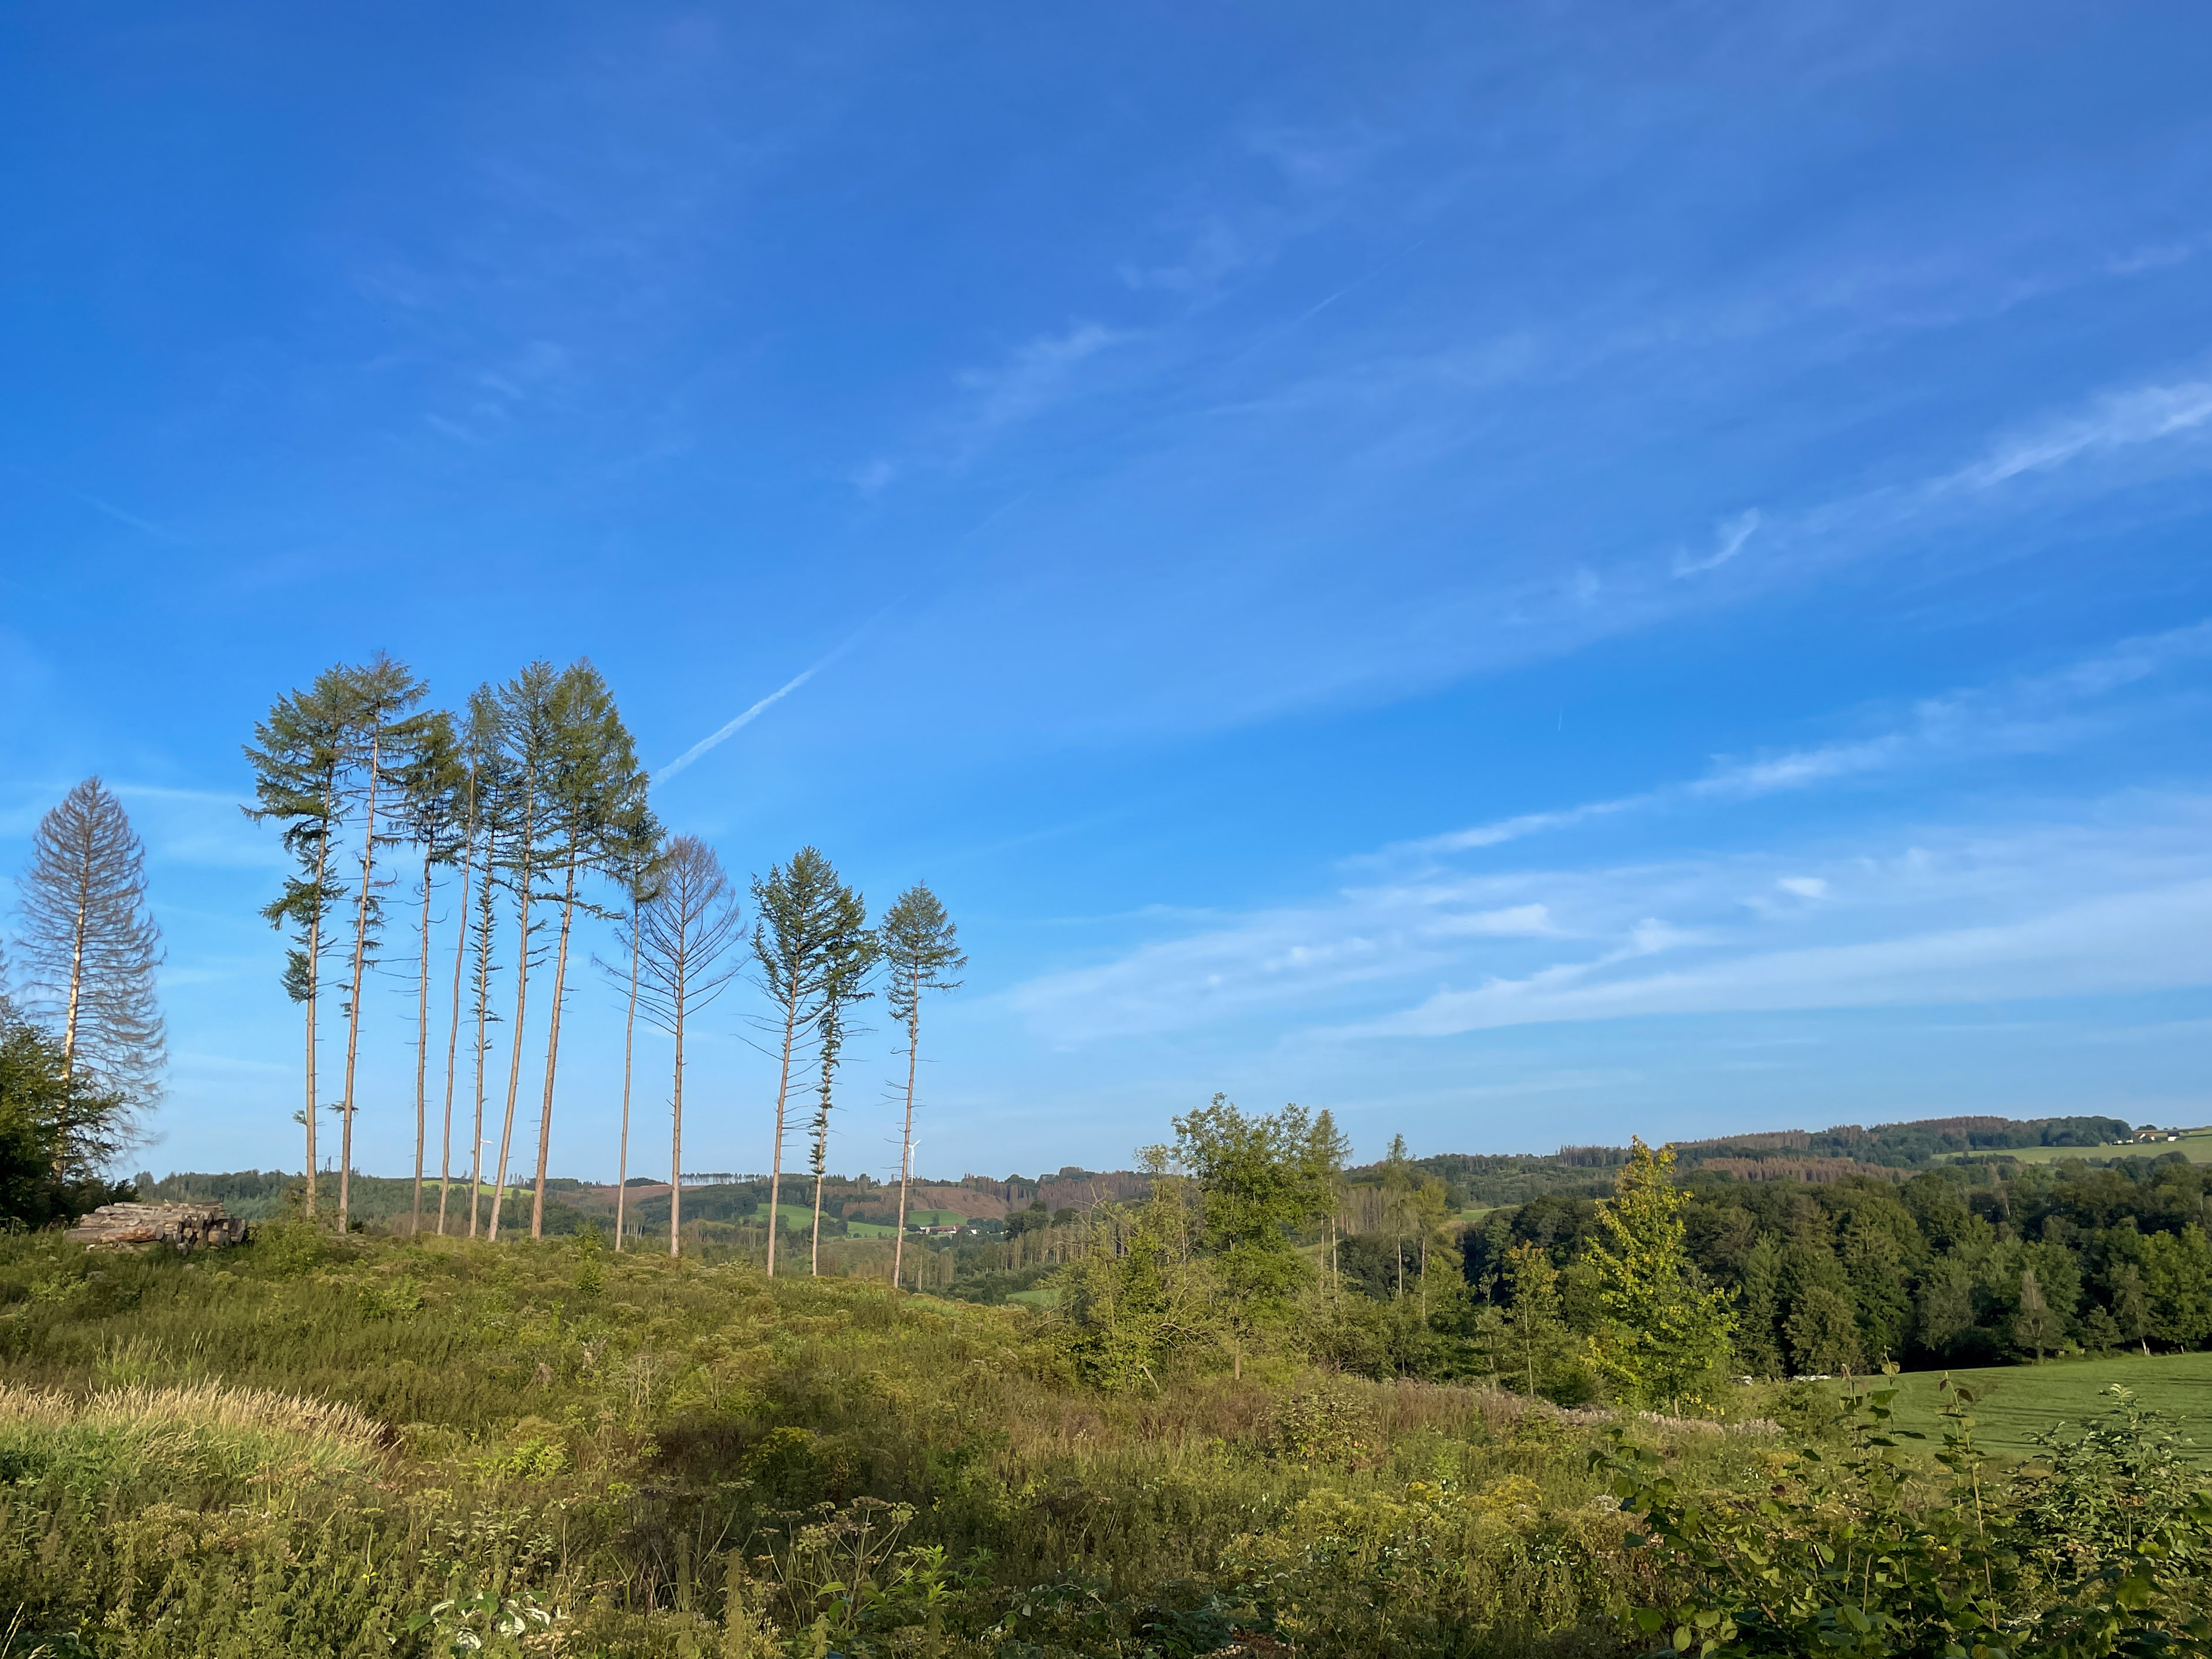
{"x": 2030, "y": 713}
{"x": 2118, "y": 901}
{"x": 1728, "y": 538}
{"x": 1946, "y": 915}
{"x": 2115, "y": 420}
{"x": 1039, "y": 371}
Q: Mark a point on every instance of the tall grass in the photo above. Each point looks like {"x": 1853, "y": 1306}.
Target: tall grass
{"x": 333, "y": 1447}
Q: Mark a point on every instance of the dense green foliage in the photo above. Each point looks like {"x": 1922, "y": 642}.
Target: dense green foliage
{"x": 56, "y": 1131}
{"x": 1953, "y": 1266}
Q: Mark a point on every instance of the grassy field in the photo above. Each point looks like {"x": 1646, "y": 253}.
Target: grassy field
{"x": 2196, "y": 1148}
{"x": 2015, "y": 1403}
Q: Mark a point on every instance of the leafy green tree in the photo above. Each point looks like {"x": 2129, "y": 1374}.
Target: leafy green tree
{"x": 91, "y": 943}
{"x": 2130, "y": 1305}
{"x": 1664, "y": 1331}
{"x": 1823, "y": 1333}
{"x": 1328, "y": 1149}
{"x": 58, "y": 1126}
{"x": 1257, "y": 1182}
{"x": 920, "y": 950}
{"x": 1133, "y": 1297}
{"x": 299, "y": 756}
{"x": 1946, "y": 1305}
{"x": 810, "y": 929}
{"x": 1533, "y": 1314}
{"x": 2034, "y": 1328}
{"x": 2177, "y": 1271}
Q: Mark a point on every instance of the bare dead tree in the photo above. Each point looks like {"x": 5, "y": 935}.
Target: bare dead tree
{"x": 92, "y": 946}
{"x": 685, "y": 933}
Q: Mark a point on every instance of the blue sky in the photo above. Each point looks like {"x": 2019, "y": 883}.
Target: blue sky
{"x": 1524, "y": 574}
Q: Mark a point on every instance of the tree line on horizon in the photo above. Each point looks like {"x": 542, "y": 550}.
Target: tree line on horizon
{"x": 528, "y": 809}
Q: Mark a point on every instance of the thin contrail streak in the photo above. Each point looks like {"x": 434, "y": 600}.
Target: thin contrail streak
{"x": 741, "y": 722}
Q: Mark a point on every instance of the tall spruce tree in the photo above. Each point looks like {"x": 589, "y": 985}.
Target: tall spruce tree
{"x": 299, "y": 758}
{"x": 477, "y": 747}
{"x": 379, "y": 735}
{"x": 841, "y": 989}
{"x": 432, "y": 785}
{"x": 920, "y": 950}
{"x": 529, "y": 727}
{"x": 494, "y": 788}
{"x": 810, "y": 926}
{"x": 595, "y": 791}
{"x": 92, "y": 946}
{"x": 686, "y": 933}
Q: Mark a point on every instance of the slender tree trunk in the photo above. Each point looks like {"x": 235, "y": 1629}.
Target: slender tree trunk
{"x": 484, "y": 941}
{"x": 76, "y": 954}
{"x": 423, "y": 1051}
{"x": 521, "y": 994}
{"x": 629, "y": 1041}
{"x": 906, "y": 1140}
{"x": 814, "y": 1252}
{"x": 453, "y": 1033}
{"x": 553, "y": 1047}
{"x": 676, "y": 1141}
{"x": 353, "y": 1001}
{"x": 775, "y": 1165}
{"x": 315, "y": 972}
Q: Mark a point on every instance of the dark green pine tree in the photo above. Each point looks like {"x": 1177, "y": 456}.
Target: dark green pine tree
{"x": 299, "y": 757}
{"x": 842, "y": 988}
{"x": 921, "y": 952}
{"x": 380, "y": 735}
{"x": 528, "y": 730}
{"x": 433, "y": 785}
{"x": 809, "y": 928}
{"x": 595, "y": 798}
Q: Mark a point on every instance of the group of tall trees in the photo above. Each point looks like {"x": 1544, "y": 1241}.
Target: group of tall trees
{"x": 528, "y": 810}
{"x": 82, "y": 1046}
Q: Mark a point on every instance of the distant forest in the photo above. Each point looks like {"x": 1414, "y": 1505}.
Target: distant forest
{"x": 1929, "y": 1243}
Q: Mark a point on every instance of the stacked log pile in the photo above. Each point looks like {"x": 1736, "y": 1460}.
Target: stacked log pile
{"x": 133, "y": 1226}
